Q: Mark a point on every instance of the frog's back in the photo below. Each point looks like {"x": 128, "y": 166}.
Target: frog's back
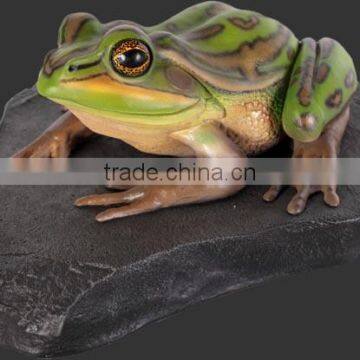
{"x": 229, "y": 49}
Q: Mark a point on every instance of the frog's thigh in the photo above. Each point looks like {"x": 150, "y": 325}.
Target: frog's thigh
{"x": 322, "y": 83}
{"x": 208, "y": 140}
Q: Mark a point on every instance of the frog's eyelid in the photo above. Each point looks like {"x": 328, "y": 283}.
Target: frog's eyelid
{"x": 127, "y": 27}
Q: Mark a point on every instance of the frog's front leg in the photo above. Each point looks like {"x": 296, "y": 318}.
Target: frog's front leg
{"x": 316, "y": 112}
{"x": 206, "y": 141}
{"x": 58, "y": 140}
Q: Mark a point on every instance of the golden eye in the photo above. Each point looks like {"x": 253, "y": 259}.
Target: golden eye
{"x": 131, "y": 58}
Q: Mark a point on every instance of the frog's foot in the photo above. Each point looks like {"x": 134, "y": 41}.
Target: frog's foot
{"x": 299, "y": 202}
{"x": 49, "y": 145}
{"x": 143, "y": 199}
{"x": 326, "y": 147}
{"x": 58, "y": 140}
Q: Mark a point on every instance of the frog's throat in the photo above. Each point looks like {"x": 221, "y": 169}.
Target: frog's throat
{"x": 134, "y": 118}
{"x": 108, "y": 123}
{"x": 131, "y": 126}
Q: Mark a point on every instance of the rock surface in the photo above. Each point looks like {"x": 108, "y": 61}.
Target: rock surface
{"x": 68, "y": 284}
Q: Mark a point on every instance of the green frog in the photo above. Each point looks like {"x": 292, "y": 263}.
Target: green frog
{"x": 212, "y": 81}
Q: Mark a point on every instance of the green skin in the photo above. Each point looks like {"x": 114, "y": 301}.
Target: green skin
{"x": 231, "y": 56}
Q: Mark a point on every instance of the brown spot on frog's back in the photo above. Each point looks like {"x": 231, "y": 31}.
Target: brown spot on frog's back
{"x": 335, "y": 100}
{"x": 245, "y": 24}
{"x": 205, "y": 33}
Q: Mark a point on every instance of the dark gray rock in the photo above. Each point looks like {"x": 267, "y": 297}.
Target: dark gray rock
{"x": 68, "y": 284}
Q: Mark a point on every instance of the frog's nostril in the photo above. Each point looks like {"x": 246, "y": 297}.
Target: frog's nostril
{"x": 84, "y": 66}
{"x": 73, "y": 68}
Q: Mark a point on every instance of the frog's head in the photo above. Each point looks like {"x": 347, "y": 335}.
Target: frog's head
{"x": 115, "y": 70}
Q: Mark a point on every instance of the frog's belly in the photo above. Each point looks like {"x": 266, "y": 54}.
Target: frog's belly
{"x": 253, "y": 126}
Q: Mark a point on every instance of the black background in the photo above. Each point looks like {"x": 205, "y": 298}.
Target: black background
{"x": 314, "y": 316}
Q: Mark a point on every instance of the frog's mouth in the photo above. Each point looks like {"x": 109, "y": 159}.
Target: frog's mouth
{"x": 102, "y": 96}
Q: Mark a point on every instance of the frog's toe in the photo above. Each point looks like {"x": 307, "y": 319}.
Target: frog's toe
{"x": 273, "y": 193}
{"x": 298, "y": 203}
{"x": 99, "y": 200}
{"x": 331, "y": 197}
{"x": 136, "y": 200}
{"x": 111, "y": 198}
{"x": 50, "y": 145}
{"x": 135, "y": 208}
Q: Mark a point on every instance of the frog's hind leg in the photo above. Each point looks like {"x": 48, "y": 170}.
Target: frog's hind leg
{"x": 316, "y": 111}
{"x": 326, "y": 146}
{"x": 321, "y": 85}
{"x": 207, "y": 141}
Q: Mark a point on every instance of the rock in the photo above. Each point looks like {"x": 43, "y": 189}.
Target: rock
{"x": 68, "y": 284}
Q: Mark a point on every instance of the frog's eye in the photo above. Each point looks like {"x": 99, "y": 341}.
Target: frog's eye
{"x": 131, "y": 58}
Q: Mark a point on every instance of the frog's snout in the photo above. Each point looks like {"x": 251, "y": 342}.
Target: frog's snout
{"x": 48, "y": 66}
{"x": 61, "y": 65}
{"x": 43, "y": 84}
{"x": 54, "y": 60}
{"x": 49, "y": 78}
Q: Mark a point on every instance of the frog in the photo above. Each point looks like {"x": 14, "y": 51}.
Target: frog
{"x": 212, "y": 81}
